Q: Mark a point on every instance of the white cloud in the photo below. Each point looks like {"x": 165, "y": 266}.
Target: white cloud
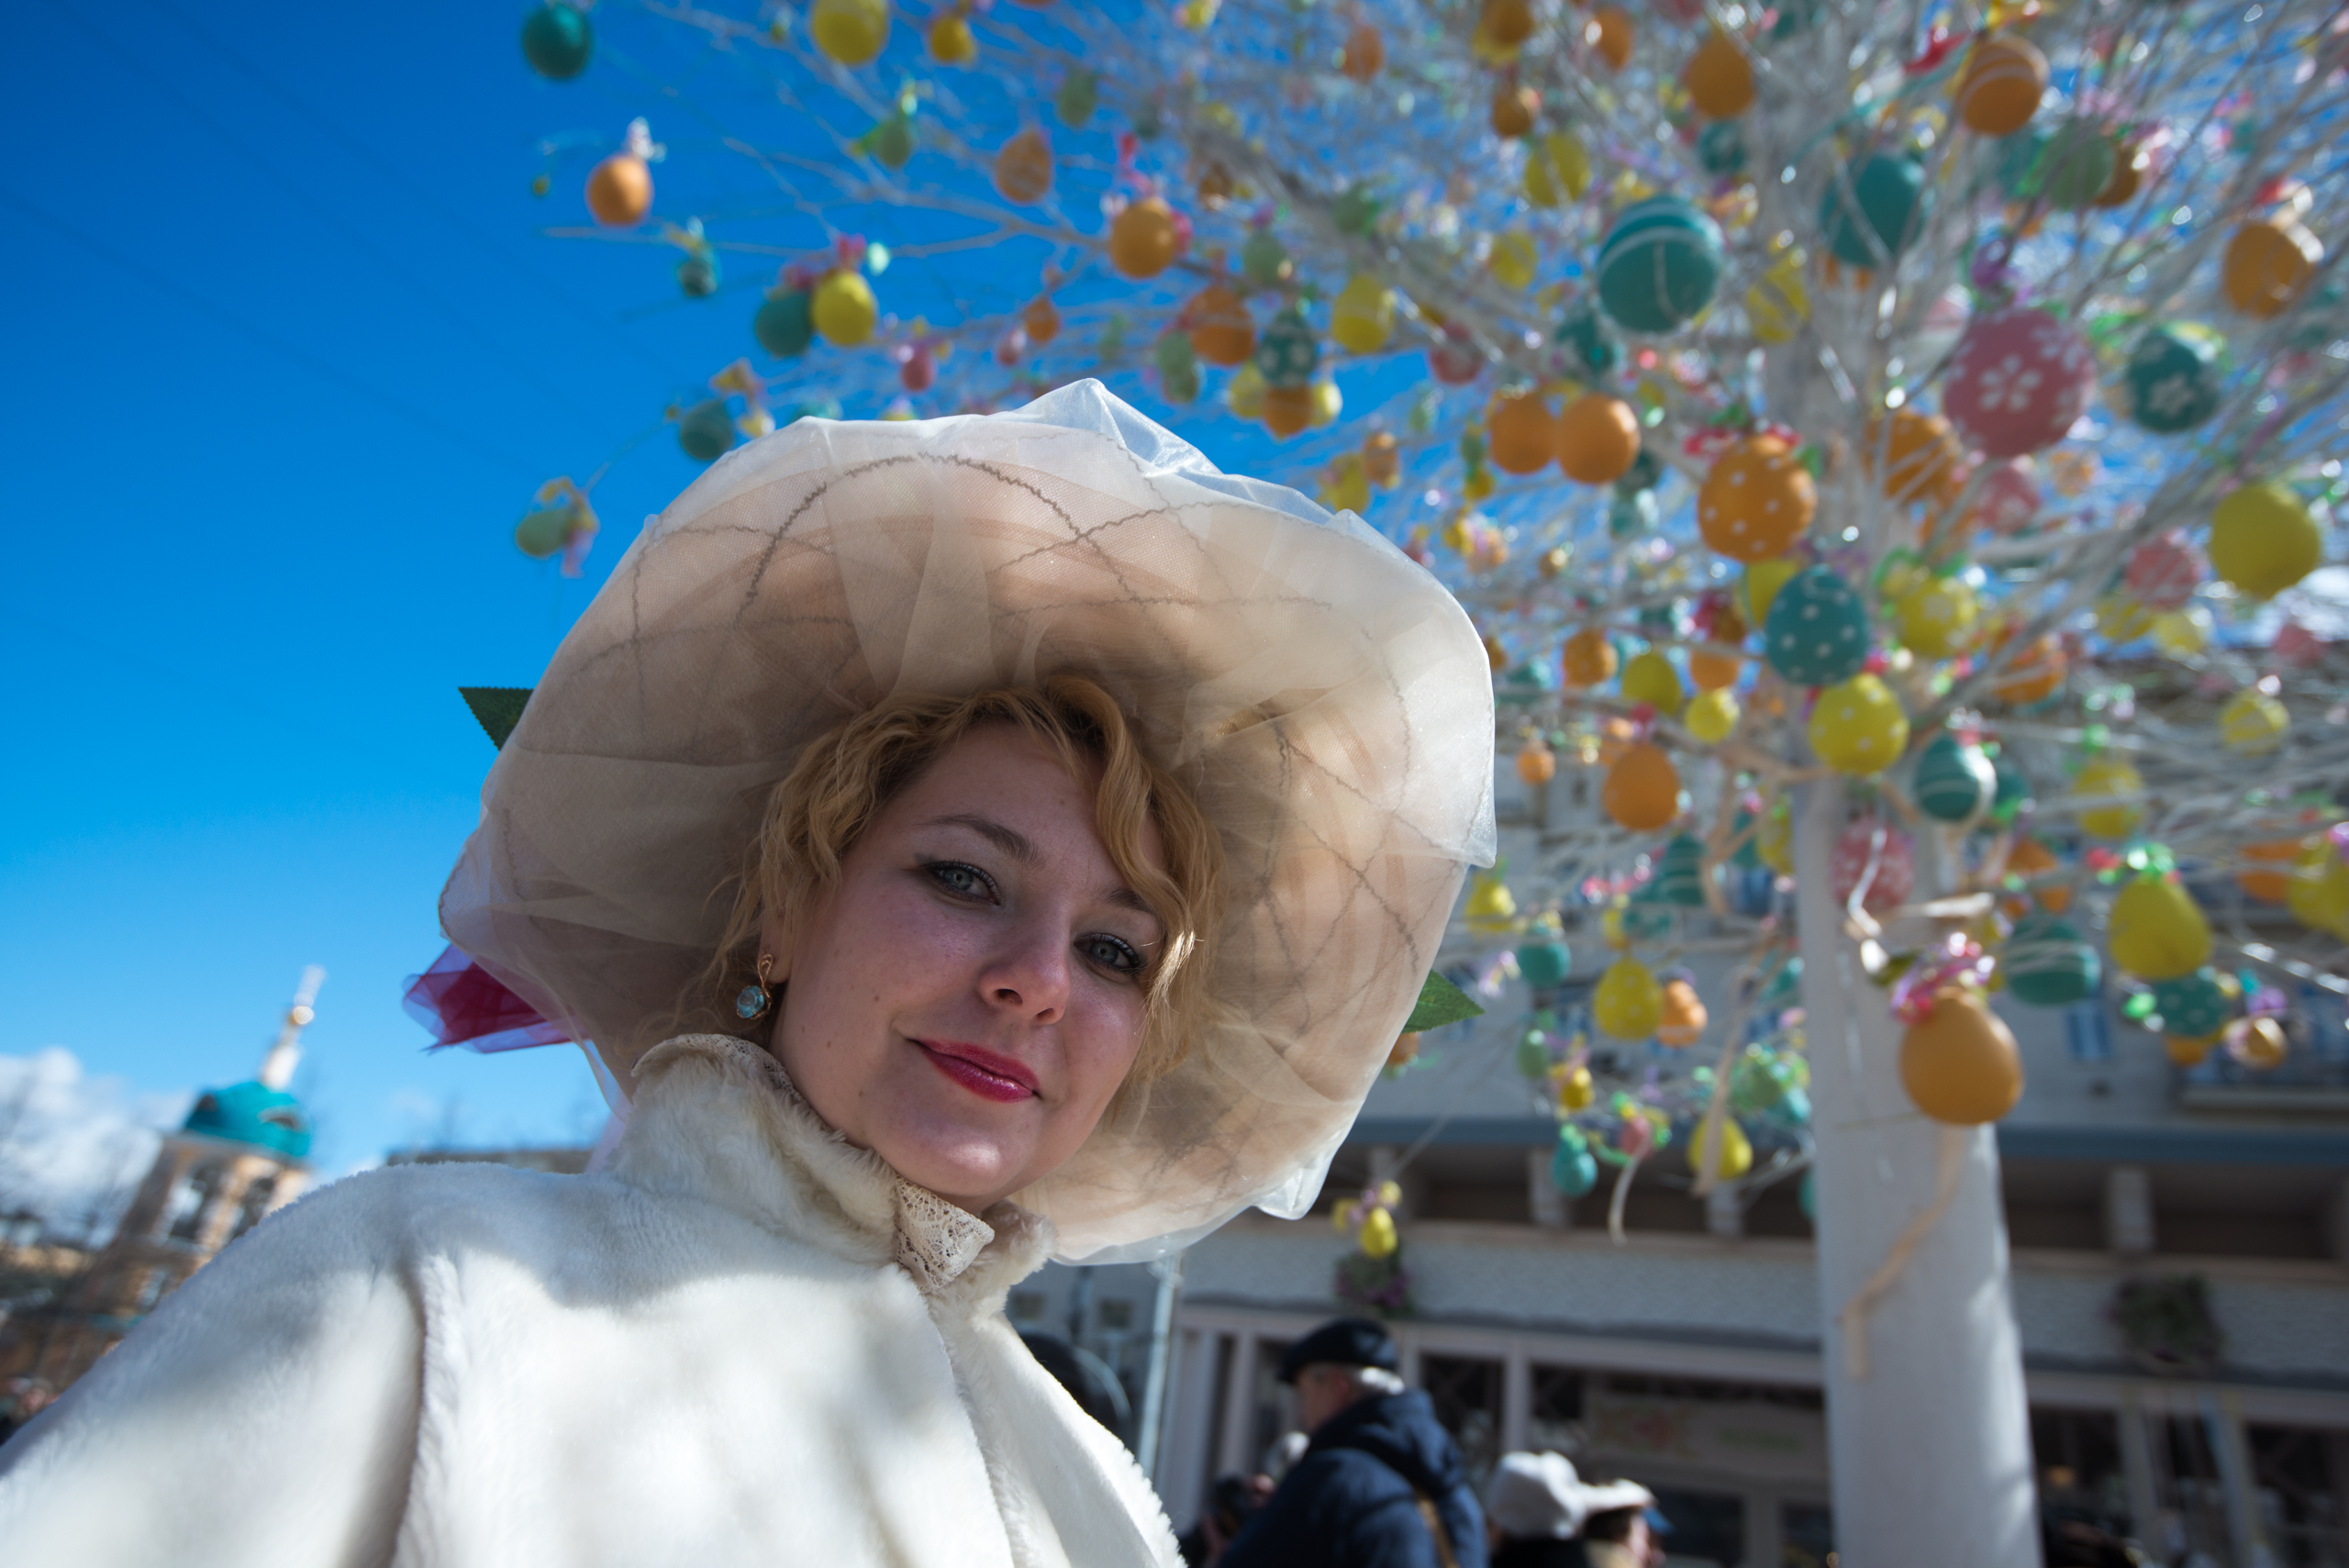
{"x": 73, "y": 1147}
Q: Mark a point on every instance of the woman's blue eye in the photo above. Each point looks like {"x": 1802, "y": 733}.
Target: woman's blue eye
{"x": 1111, "y": 954}
{"x": 968, "y": 882}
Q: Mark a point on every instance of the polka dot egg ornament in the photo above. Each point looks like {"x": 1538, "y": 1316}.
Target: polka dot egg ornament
{"x": 1857, "y": 727}
{"x": 1879, "y": 215}
{"x": 2046, "y": 964}
{"x": 2263, "y": 539}
{"x": 2172, "y": 382}
{"x": 2254, "y": 724}
{"x": 1818, "y": 631}
{"x": 2162, "y": 573}
{"x": 1937, "y": 617}
{"x": 2124, "y": 789}
{"x": 1627, "y": 1002}
{"x": 1659, "y": 265}
{"x": 2156, "y": 930}
{"x": 2020, "y": 380}
{"x": 1955, "y": 780}
{"x": 1288, "y": 353}
{"x": 1896, "y": 870}
{"x": 2193, "y": 1005}
{"x": 1642, "y": 789}
{"x": 1959, "y": 1063}
{"x": 1758, "y": 500}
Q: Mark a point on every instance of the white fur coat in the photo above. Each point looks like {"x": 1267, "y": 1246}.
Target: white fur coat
{"x": 715, "y": 1353}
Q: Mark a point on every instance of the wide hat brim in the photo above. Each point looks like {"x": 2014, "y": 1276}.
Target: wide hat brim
{"x": 1325, "y": 699}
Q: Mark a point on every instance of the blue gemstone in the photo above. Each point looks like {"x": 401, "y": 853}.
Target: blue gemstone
{"x": 750, "y": 1001}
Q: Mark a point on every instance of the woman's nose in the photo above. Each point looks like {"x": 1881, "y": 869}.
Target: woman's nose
{"x": 1030, "y": 973}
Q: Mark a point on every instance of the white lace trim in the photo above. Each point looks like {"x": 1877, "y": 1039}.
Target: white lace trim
{"x": 936, "y": 1239}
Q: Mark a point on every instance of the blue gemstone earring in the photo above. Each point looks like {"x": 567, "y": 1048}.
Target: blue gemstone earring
{"x": 751, "y": 1003}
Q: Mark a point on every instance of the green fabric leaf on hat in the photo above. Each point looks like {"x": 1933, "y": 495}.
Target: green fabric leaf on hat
{"x": 1440, "y": 1002}
{"x": 497, "y": 709}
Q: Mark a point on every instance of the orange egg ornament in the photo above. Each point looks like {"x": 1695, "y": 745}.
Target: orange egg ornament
{"x": 619, "y": 190}
{"x": 1023, "y": 169}
{"x": 2033, "y": 674}
{"x": 1642, "y": 789}
{"x": 1365, "y": 54}
{"x": 1522, "y": 434}
{"x": 1714, "y": 667}
{"x": 1145, "y": 240}
{"x": 1684, "y": 1017}
{"x": 1718, "y": 77}
{"x": 1609, "y": 32}
{"x": 2269, "y": 887}
{"x": 1537, "y": 764}
{"x": 2030, "y": 858}
{"x": 1959, "y": 1063}
{"x": 1041, "y": 321}
{"x": 1287, "y": 409}
{"x": 1513, "y": 111}
{"x": 2002, "y": 86}
{"x": 2268, "y": 264}
{"x": 1382, "y": 459}
{"x": 1222, "y": 330}
{"x": 1597, "y": 439}
{"x": 1918, "y": 455}
{"x": 1757, "y": 501}
{"x": 1507, "y": 22}
{"x": 1588, "y": 659}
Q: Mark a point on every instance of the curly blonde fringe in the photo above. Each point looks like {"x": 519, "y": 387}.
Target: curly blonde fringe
{"x": 814, "y": 815}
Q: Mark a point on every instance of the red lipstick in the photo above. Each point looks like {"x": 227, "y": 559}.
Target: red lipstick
{"x": 985, "y": 1073}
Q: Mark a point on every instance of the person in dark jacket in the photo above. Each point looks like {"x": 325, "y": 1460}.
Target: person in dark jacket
{"x": 1381, "y": 1485}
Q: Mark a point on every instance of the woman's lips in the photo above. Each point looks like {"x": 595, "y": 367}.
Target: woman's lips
{"x": 984, "y": 1073}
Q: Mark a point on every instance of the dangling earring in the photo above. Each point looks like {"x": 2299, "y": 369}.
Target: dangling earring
{"x": 751, "y": 1003}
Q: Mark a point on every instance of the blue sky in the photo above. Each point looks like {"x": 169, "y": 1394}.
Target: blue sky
{"x": 288, "y": 357}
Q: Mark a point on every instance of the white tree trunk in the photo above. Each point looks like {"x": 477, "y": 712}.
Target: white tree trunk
{"x": 1931, "y": 1449}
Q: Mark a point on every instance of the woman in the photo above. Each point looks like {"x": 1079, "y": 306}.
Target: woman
{"x": 1542, "y": 1514}
{"x": 961, "y": 842}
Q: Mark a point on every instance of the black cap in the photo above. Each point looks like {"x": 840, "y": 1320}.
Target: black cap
{"x": 1341, "y": 1342}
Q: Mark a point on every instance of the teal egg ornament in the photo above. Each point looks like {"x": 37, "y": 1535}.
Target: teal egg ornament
{"x": 1178, "y": 367}
{"x": 1631, "y": 516}
{"x": 1955, "y": 780}
{"x": 2172, "y": 380}
{"x": 556, "y": 40}
{"x": 1884, "y": 207}
{"x": 2076, "y": 165}
{"x": 1659, "y": 265}
{"x": 1806, "y": 1197}
{"x": 1646, "y": 918}
{"x": 698, "y": 274}
{"x": 1288, "y": 352}
{"x": 1645, "y": 473}
{"x": 1785, "y": 986}
{"x": 1720, "y": 148}
{"x": 2047, "y": 965}
{"x": 1573, "y": 1171}
{"x": 1588, "y": 344}
{"x": 2012, "y": 791}
{"x": 1818, "y": 632}
{"x": 2192, "y": 1006}
{"x": 706, "y": 430}
{"x": 1680, "y": 879}
{"x": 1543, "y": 964}
{"x": 783, "y": 326}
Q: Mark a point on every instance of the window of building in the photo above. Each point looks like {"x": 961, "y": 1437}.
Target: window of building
{"x": 2188, "y": 1490}
{"x": 1466, "y": 1393}
{"x": 2083, "y": 1490}
{"x": 258, "y": 1195}
{"x": 1806, "y": 1535}
{"x": 2088, "y": 1031}
{"x": 1707, "y": 1528}
{"x": 2297, "y": 1472}
{"x": 151, "y": 1285}
{"x": 1274, "y": 1407}
{"x": 1554, "y": 1414}
{"x": 183, "y": 1217}
{"x": 1116, "y": 1316}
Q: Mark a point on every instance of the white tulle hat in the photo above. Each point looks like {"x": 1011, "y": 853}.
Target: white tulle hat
{"x": 1539, "y": 1496}
{"x": 1324, "y": 698}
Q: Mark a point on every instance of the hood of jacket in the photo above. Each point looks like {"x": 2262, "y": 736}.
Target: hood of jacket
{"x": 1401, "y": 1432}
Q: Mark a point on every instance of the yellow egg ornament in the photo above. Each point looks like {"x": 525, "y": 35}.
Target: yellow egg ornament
{"x": 848, "y": 31}
{"x": 1362, "y": 318}
{"x": 1774, "y": 838}
{"x": 1492, "y": 908}
{"x": 1937, "y": 617}
{"x": 2156, "y": 930}
{"x": 1724, "y": 1146}
{"x": 1650, "y": 678}
{"x": 1711, "y": 717}
{"x": 1858, "y": 727}
{"x": 2182, "y": 634}
{"x": 1577, "y": 1089}
{"x": 2318, "y": 891}
{"x": 1245, "y": 395}
{"x": 2114, "y": 776}
{"x": 1627, "y": 1002}
{"x": 843, "y": 309}
{"x": 1378, "y": 1239}
{"x": 1758, "y": 589}
{"x": 2263, "y": 539}
{"x": 2254, "y": 724}
{"x": 1514, "y": 260}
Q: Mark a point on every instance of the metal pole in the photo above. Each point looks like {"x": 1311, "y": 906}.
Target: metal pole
{"x": 1161, "y": 1350}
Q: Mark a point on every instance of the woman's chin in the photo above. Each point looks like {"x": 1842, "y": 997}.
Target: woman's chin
{"x": 973, "y": 1165}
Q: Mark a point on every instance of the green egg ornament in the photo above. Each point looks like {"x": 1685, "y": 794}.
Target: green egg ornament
{"x": 706, "y": 431}
{"x": 558, "y": 40}
{"x": 1659, "y": 265}
{"x": 2172, "y": 382}
{"x": 1680, "y": 879}
{"x": 1818, "y": 631}
{"x": 543, "y": 533}
{"x": 783, "y": 326}
{"x": 891, "y": 142}
{"x": 1355, "y": 211}
{"x": 1532, "y": 1055}
{"x": 698, "y": 274}
{"x": 2192, "y": 1006}
{"x": 2076, "y": 165}
{"x": 1645, "y": 919}
{"x": 2047, "y": 965}
{"x": 1287, "y": 352}
{"x": 1178, "y": 367}
{"x": 1955, "y": 780}
{"x": 1265, "y": 260}
{"x": 1074, "y": 103}
{"x": 1886, "y": 206}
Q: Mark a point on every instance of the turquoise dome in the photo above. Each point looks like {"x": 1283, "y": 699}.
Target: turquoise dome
{"x": 255, "y": 1114}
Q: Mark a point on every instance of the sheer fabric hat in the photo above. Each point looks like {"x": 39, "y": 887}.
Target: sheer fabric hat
{"x": 1324, "y": 698}
{"x": 1540, "y": 1497}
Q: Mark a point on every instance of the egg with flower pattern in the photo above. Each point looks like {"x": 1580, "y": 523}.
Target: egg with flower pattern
{"x": 2020, "y": 380}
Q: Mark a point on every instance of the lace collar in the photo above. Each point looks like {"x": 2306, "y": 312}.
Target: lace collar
{"x": 716, "y": 1116}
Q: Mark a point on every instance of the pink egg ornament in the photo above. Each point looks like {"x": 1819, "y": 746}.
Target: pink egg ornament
{"x": 2020, "y": 381}
{"x": 2162, "y": 573}
{"x": 1895, "y": 871}
{"x": 2009, "y": 498}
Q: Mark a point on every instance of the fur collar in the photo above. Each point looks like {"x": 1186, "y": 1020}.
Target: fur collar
{"x": 714, "y": 1118}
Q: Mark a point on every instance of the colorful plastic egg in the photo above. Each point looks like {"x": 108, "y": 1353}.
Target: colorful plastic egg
{"x": 950, "y": 40}
{"x": 2002, "y": 86}
{"x": 1642, "y": 789}
{"x": 1817, "y": 633}
{"x": 1858, "y": 727}
{"x": 2032, "y": 674}
{"x": 2252, "y": 722}
{"x": 1718, "y": 77}
{"x": 1680, "y": 875}
{"x": 1288, "y": 409}
{"x": 1627, "y": 1002}
{"x": 556, "y": 40}
{"x": 2268, "y": 265}
{"x": 1650, "y": 678}
{"x": 2263, "y": 539}
{"x": 1178, "y": 373}
{"x": 1711, "y": 716}
{"x": 1587, "y": 658}
{"x": 1896, "y": 866}
{"x": 2046, "y": 964}
{"x": 1023, "y": 168}
{"x": 2028, "y": 859}
{"x": 1365, "y": 53}
{"x": 1683, "y": 1017}
{"x": 706, "y": 431}
{"x": 2193, "y": 1005}
{"x": 1513, "y": 112}
{"x": 1659, "y": 265}
{"x": 1920, "y": 456}
{"x": 1514, "y": 260}
{"x": 1609, "y": 32}
{"x": 1959, "y": 1063}
{"x": 2318, "y": 892}
{"x": 2163, "y": 573}
{"x": 1954, "y": 782}
{"x": 1144, "y": 239}
{"x": 1597, "y": 439}
{"x": 843, "y": 309}
{"x": 2260, "y": 1044}
{"x": 2077, "y": 164}
{"x": 1881, "y": 213}
{"x": 783, "y": 326}
{"x": 1288, "y": 354}
{"x": 1774, "y": 838}
{"x": 2156, "y": 930}
{"x": 1723, "y": 1146}
{"x": 1573, "y": 1171}
{"x": 1264, "y": 261}
{"x": 2109, "y": 775}
{"x": 848, "y": 31}
{"x": 619, "y": 190}
{"x": 1584, "y": 338}
{"x": 1757, "y": 501}
{"x": 1362, "y": 318}
{"x": 1543, "y": 964}
{"x": 2269, "y": 885}
{"x": 1758, "y": 587}
{"x": 2172, "y": 380}
{"x": 1557, "y": 168}
{"x": 2007, "y": 499}
{"x": 1079, "y": 95}
{"x": 1938, "y": 616}
{"x": 1713, "y": 666}
{"x": 1221, "y": 329}
{"x": 1454, "y": 360}
{"x": 1720, "y": 148}
{"x": 2020, "y": 380}
{"x": 1522, "y": 432}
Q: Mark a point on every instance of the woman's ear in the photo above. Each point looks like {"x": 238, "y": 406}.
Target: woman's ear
{"x": 774, "y": 942}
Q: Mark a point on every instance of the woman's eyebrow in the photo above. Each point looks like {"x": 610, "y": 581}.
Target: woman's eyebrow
{"x": 1011, "y": 841}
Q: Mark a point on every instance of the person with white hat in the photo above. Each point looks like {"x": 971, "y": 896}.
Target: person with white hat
{"x": 956, "y": 843}
{"x": 1542, "y": 1514}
